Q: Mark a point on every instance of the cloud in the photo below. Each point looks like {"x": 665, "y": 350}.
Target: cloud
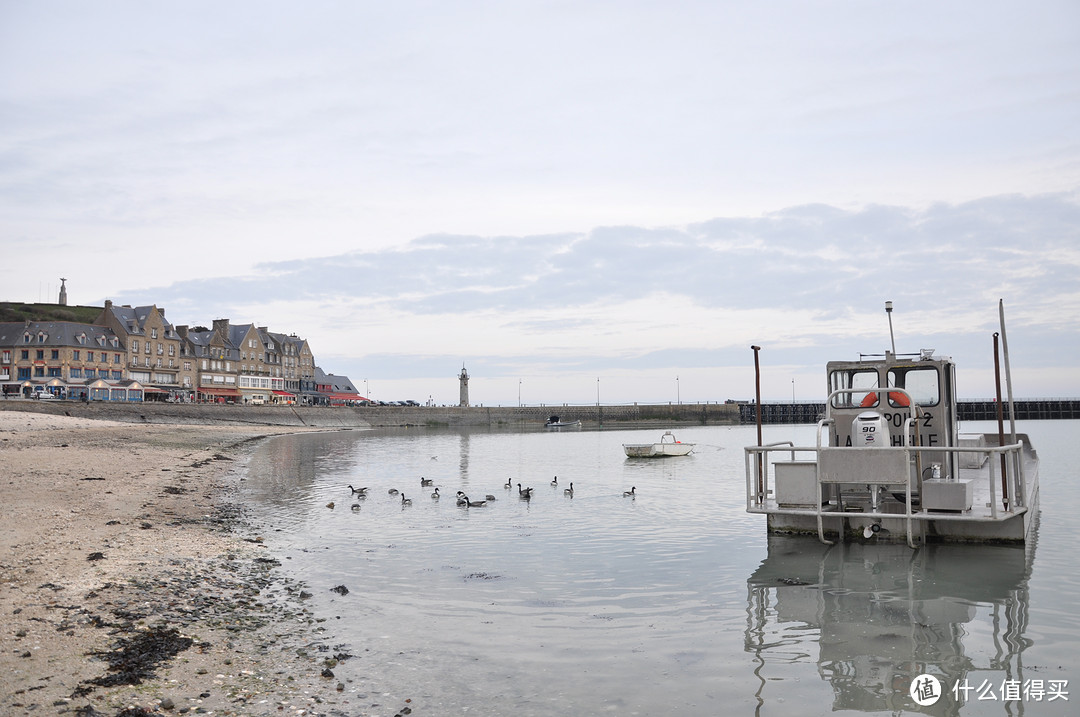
{"x": 802, "y": 280}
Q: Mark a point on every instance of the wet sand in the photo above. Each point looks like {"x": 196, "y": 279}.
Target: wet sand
{"x": 129, "y": 583}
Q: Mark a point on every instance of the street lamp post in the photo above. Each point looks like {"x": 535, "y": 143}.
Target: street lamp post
{"x": 519, "y": 393}
{"x": 678, "y": 394}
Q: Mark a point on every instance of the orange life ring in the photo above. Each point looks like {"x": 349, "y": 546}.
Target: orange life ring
{"x": 896, "y": 397}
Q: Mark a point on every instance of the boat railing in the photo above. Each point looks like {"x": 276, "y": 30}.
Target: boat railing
{"x": 760, "y": 464}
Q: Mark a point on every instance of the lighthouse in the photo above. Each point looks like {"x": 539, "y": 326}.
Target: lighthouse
{"x": 463, "y": 378}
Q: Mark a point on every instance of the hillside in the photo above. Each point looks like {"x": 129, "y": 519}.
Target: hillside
{"x": 12, "y": 311}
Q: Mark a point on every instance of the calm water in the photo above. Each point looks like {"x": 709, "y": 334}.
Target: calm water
{"x": 673, "y": 602}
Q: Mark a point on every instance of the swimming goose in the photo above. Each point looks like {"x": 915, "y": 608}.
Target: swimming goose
{"x": 526, "y": 493}
{"x": 461, "y": 499}
{"x": 473, "y": 503}
{"x": 436, "y": 495}
{"x": 358, "y": 491}
{"x": 355, "y": 506}
{"x": 489, "y": 496}
{"x": 556, "y": 481}
{"x": 570, "y": 490}
{"x": 392, "y": 491}
{"x": 425, "y": 481}
{"x": 508, "y": 485}
{"x": 405, "y": 501}
{"x": 631, "y": 493}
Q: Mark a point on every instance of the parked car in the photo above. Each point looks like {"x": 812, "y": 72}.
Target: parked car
{"x": 42, "y": 394}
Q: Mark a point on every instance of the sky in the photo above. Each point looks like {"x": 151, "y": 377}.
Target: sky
{"x": 577, "y": 201}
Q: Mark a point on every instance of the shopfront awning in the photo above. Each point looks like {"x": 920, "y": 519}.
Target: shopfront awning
{"x": 283, "y": 393}
{"x": 220, "y": 392}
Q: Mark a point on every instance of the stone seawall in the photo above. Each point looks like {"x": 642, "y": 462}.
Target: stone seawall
{"x": 379, "y": 416}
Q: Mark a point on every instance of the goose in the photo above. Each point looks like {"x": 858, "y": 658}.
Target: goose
{"x": 358, "y": 491}
{"x": 405, "y": 501}
{"x": 630, "y": 493}
{"x": 425, "y": 481}
{"x": 330, "y": 505}
{"x": 436, "y": 495}
{"x": 392, "y": 491}
{"x": 489, "y": 497}
{"x": 556, "y": 481}
{"x": 461, "y": 499}
{"x": 570, "y": 490}
{"x": 526, "y": 493}
{"x": 355, "y": 506}
{"x": 508, "y": 485}
{"x": 472, "y": 503}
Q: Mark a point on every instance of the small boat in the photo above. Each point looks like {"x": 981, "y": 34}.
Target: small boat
{"x": 667, "y": 446}
{"x": 890, "y": 463}
{"x": 556, "y": 422}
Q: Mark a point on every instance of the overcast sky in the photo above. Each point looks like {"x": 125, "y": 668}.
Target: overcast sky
{"x": 572, "y": 199}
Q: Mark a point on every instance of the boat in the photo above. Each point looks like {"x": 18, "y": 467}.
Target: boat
{"x": 667, "y": 446}
{"x": 889, "y": 462}
{"x": 556, "y": 422}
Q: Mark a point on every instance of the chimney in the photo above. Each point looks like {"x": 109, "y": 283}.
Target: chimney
{"x": 182, "y": 332}
{"x": 222, "y": 327}
{"x": 108, "y": 304}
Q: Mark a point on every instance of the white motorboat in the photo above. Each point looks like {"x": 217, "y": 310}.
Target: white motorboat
{"x": 556, "y": 422}
{"x": 667, "y": 446}
{"x": 889, "y": 462}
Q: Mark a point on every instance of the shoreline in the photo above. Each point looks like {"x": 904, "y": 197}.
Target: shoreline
{"x": 130, "y": 583}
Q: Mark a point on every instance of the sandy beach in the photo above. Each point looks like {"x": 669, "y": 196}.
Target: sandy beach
{"x": 130, "y": 585}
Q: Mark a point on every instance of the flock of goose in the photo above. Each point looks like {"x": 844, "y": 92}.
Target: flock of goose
{"x": 464, "y": 500}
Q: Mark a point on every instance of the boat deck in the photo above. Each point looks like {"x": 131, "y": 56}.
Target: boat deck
{"x": 796, "y": 488}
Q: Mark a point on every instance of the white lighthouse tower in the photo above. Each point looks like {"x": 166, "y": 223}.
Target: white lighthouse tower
{"x": 464, "y": 394}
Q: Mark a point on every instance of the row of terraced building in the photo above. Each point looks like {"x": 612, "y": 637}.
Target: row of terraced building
{"x": 133, "y": 353}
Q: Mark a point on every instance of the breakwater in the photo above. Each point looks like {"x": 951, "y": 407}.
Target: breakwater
{"x": 342, "y": 417}
{"x": 973, "y": 410}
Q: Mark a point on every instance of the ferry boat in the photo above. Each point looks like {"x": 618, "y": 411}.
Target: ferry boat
{"x": 889, "y": 462}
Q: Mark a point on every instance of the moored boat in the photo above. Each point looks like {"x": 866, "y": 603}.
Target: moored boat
{"x": 556, "y": 422}
{"x": 667, "y": 446}
{"x": 889, "y": 462}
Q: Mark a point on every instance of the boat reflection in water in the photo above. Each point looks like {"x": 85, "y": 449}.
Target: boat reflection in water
{"x": 879, "y": 615}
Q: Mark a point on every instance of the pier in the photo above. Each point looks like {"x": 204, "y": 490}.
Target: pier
{"x": 973, "y": 410}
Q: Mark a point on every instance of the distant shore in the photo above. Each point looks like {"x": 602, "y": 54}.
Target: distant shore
{"x": 128, "y": 580}
{"x": 516, "y": 417}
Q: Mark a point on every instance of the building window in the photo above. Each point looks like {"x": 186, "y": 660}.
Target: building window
{"x": 117, "y": 375}
{"x": 89, "y": 355}
{"x": 76, "y": 373}
{"x": 75, "y": 355}
{"x": 54, "y": 354}
{"x": 135, "y": 346}
{"x": 116, "y": 358}
{"x": 54, "y": 371}
{"x": 7, "y": 357}
{"x": 24, "y": 373}
{"x": 26, "y": 338}
{"x": 153, "y": 333}
{"x": 40, "y": 354}
{"x": 39, "y": 372}
{"x": 90, "y": 372}
{"x": 25, "y": 355}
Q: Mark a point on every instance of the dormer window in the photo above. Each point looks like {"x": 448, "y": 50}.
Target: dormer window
{"x": 42, "y": 336}
{"x": 27, "y": 338}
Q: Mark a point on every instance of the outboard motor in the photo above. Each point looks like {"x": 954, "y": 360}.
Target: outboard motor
{"x": 870, "y": 430}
